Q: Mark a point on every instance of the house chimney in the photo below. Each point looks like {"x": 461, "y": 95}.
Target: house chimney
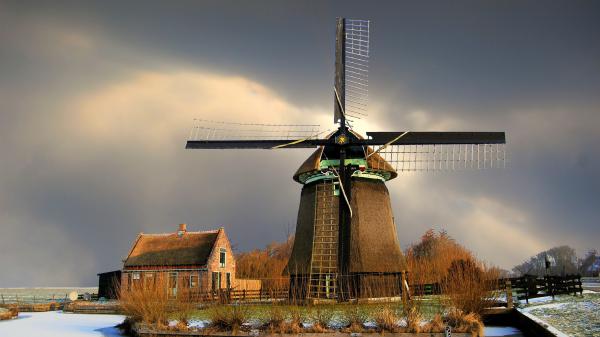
{"x": 182, "y": 229}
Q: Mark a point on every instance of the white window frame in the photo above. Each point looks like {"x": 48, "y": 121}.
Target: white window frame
{"x": 197, "y": 280}
{"x": 223, "y": 253}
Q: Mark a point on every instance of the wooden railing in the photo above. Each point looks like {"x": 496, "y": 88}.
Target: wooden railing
{"x": 530, "y": 286}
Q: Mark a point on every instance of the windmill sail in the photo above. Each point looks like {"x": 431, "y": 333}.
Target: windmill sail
{"x": 438, "y": 151}
{"x": 209, "y": 134}
{"x": 352, "y": 69}
{"x": 356, "y": 51}
{"x": 440, "y": 157}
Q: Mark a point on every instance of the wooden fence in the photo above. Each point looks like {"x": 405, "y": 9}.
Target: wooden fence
{"x": 234, "y": 295}
{"x": 530, "y": 286}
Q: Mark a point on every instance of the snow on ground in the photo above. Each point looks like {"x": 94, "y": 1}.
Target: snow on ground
{"x": 572, "y": 315}
{"x": 56, "y": 323}
{"x": 537, "y": 300}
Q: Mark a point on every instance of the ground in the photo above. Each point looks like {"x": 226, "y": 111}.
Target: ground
{"x": 55, "y": 323}
{"x": 574, "y": 316}
{"x": 52, "y": 324}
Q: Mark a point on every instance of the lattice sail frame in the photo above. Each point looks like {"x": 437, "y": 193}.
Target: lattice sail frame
{"x": 439, "y": 157}
{"x": 218, "y": 130}
{"x": 356, "y": 72}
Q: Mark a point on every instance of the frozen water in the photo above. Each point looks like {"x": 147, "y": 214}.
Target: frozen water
{"x": 496, "y": 331}
{"x": 56, "y": 323}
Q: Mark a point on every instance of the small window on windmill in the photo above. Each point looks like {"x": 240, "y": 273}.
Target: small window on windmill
{"x": 336, "y": 189}
{"x": 222, "y": 257}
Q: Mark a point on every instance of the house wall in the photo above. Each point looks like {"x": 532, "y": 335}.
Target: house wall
{"x": 214, "y": 265}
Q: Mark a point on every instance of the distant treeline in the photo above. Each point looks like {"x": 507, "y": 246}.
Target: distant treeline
{"x": 428, "y": 260}
{"x": 562, "y": 260}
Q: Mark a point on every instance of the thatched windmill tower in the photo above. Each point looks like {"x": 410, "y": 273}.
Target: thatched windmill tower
{"x": 346, "y": 242}
{"x": 364, "y": 258}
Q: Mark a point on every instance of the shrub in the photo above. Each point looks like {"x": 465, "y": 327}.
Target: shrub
{"x": 275, "y": 321}
{"x": 8, "y": 313}
{"x": 321, "y": 316}
{"x": 435, "y": 325}
{"x": 147, "y": 303}
{"x": 228, "y": 317}
{"x": 354, "y": 318}
{"x": 430, "y": 259}
{"x": 461, "y": 322}
{"x": 413, "y": 318}
{"x": 469, "y": 286}
{"x": 295, "y": 323}
{"x": 387, "y": 319}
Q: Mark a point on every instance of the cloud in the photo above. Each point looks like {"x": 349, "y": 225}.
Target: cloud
{"x": 110, "y": 162}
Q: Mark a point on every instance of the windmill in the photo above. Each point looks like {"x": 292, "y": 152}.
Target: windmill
{"x": 346, "y": 237}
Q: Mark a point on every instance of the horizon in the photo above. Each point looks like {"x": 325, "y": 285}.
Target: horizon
{"x": 97, "y": 100}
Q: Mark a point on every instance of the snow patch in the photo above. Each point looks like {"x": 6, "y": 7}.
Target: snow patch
{"x": 56, "y": 323}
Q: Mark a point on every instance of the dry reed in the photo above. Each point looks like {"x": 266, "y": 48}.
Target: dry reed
{"x": 228, "y": 317}
{"x": 465, "y": 322}
{"x": 147, "y": 303}
{"x": 320, "y": 317}
{"x": 275, "y": 320}
{"x": 354, "y": 318}
{"x": 470, "y": 286}
{"x": 435, "y": 325}
{"x": 387, "y": 319}
{"x": 413, "y": 316}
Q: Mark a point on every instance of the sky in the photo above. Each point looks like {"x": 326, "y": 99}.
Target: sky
{"x": 97, "y": 100}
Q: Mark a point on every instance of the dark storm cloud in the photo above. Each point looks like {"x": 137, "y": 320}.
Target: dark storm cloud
{"x": 93, "y": 120}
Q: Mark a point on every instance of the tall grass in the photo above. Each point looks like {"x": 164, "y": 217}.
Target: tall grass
{"x": 428, "y": 260}
{"x": 470, "y": 286}
{"x": 387, "y": 319}
{"x": 147, "y": 303}
{"x": 151, "y": 303}
{"x": 354, "y": 318}
{"x": 228, "y": 317}
{"x": 321, "y": 317}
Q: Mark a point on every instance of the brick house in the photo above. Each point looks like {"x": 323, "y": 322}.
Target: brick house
{"x": 189, "y": 261}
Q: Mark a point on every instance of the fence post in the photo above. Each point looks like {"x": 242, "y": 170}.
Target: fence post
{"x": 404, "y": 285}
{"x": 509, "y": 297}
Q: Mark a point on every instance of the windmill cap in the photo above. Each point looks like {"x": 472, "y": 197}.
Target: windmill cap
{"x": 313, "y": 162}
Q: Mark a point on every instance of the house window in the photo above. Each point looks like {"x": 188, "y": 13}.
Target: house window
{"x": 128, "y": 281}
{"x": 149, "y": 279}
{"x": 193, "y": 281}
{"x": 228, "y": 281}
{"x": 222, "y": 257}
{"x": 136, "y": 277}
{"x": 173, "y": 284}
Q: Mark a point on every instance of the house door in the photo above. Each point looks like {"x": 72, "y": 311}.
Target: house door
{"x": 216, "y": 280}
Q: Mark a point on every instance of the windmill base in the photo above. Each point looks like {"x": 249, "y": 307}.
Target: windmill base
{"x": 349, "y": 287}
